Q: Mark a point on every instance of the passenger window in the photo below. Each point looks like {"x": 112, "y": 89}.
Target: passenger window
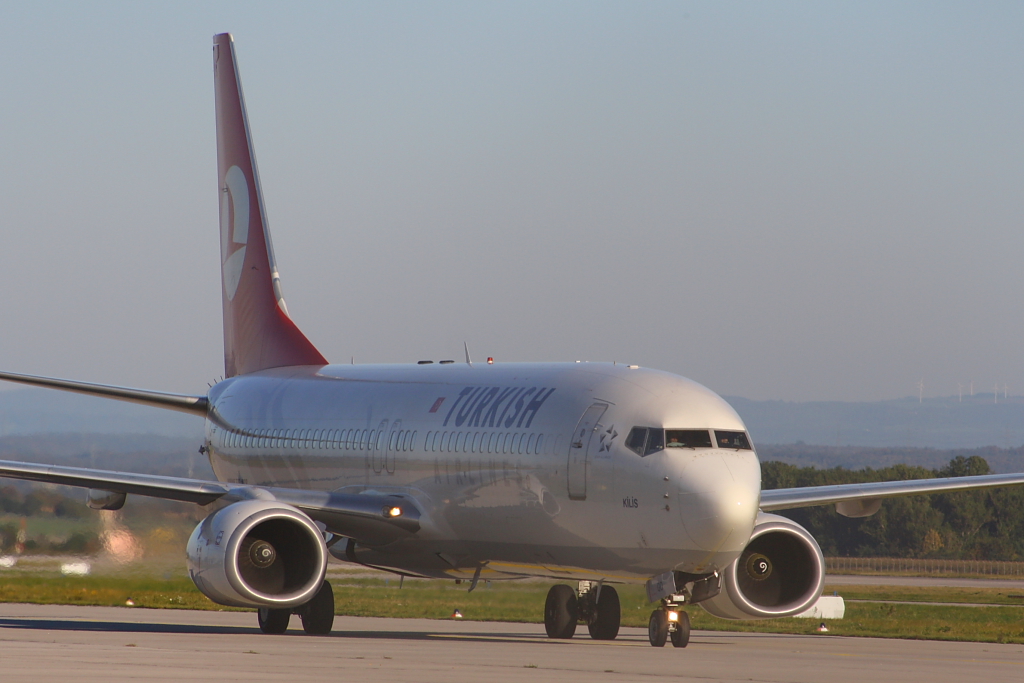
{"x": 687, "y": 438}
{"x": 637, "y": 440}
{"x": 540, "y": 443}
{"x": 531, "y": 443}
{"x": 460, "y": 442}
{"x": 735, "y": 440}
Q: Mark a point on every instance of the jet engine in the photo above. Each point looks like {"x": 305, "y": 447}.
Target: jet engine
{"x": 780, "y": 573}
{"x": 257, "y": 553}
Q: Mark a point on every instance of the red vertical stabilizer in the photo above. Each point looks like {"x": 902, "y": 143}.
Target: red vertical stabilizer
{"x": 258, "y": 332}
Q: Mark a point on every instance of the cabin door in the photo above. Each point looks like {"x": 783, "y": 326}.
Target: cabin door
{"x": 579, "y": 447}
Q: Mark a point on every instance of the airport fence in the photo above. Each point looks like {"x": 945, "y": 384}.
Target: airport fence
{"x": 898, "y": 565}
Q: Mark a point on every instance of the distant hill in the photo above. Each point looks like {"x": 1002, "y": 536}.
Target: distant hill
{"x": 56, "y": 427}
{"x": 940, "y": 423}
{"x": 45, "y": 411}
{"x": 1001, "y": 460}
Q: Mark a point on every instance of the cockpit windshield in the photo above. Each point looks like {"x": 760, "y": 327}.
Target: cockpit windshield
{"x": 736, "y": 440}
{"x": 687, "y": 438}
{"x": 646, "y": 440}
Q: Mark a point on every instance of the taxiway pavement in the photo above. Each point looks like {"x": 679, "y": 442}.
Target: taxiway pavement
{"x": 52, "y": 642}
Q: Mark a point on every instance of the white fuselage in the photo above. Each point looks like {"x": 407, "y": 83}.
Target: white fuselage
{"x": 519, "y": 469}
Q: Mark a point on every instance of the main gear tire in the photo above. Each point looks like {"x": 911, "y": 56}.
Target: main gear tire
{"x": 561, "y": 612}
{"x": 607, "y": 615}
{"x": 274, "y": 621}
{"x": 318, "y": 614}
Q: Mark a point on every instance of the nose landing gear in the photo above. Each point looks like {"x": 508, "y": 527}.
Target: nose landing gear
{"x": 668, "y": 623}
{"x": 594, "y": 604}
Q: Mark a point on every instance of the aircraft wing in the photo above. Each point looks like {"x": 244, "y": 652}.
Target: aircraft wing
{"x": 370, "y": 518}
{"x": 860, "y": 500}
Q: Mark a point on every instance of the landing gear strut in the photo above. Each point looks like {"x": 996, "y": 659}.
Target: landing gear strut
{"x": 317, "y": 615}
{"x": 594, "y": 604}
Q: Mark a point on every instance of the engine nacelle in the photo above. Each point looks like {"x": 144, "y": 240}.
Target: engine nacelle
{"x": 257, "y": 553}
{"x": 780, "y": 573}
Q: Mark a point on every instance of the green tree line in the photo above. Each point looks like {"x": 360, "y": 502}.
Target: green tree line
{"x": 971, "y": 525}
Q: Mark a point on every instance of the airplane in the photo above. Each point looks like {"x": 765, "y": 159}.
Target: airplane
{"x": 597, "y": 473}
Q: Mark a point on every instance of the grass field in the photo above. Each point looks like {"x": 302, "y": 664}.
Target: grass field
{"x": 524, "y": 602}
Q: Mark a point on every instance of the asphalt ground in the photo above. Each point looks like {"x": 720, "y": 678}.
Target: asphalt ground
{"x": 53, "y": 642}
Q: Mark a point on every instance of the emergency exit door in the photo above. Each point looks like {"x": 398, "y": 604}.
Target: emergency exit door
{"x": 579, "y": 449}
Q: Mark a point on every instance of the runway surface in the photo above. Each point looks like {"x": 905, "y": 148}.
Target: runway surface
{"x": 50, "y": 642}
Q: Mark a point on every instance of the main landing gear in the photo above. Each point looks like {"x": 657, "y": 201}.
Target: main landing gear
{"x": 594, "y": 604}
{"x": 317, "y": 615}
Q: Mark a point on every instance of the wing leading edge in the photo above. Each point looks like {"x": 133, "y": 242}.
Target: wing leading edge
{"x": 856, "y": 500}
{"x": 186, "y": 403}
{"x": 370, "y": 518}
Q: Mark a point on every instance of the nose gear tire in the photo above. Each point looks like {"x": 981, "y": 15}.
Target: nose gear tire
{"x": 681, "y": 636}
{"x": 657, "y": 628}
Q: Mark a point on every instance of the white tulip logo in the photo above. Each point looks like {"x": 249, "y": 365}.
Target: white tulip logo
{"x": 234, "y": 227}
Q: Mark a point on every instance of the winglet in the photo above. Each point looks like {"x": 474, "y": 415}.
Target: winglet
{"x": 258, "y": 332}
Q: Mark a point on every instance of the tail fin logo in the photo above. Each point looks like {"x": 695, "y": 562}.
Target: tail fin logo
{"x": 234, "y": 227}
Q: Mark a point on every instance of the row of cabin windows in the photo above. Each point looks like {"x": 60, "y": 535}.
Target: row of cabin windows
{"x": 646, "y": 440}
{"x": 483, "y": 442}
{"x": 323, "y": 439}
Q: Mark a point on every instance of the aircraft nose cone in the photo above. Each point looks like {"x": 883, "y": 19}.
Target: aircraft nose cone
{"x": 719, "y": 499}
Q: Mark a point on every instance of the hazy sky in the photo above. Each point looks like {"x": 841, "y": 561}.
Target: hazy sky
{"x": 780, "y": 200}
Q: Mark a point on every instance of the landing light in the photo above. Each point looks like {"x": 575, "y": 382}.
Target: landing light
{"x": 393, "y": 512}
{"x": 673, "y": 616}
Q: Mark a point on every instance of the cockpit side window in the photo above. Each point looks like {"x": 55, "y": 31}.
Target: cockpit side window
{"x": 637, "y": 440}
{"x": 687, "y": 438}
{"x": 645, "y": 440}
{"x": 735, "y": 440}
{"x": 655, "y": 440}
